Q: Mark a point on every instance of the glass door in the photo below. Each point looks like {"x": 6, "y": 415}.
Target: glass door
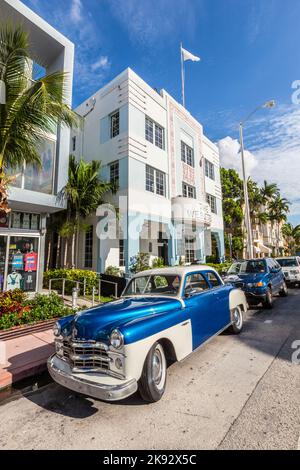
{"x": 3, "y": 245}
{"x": 23, "y": 259}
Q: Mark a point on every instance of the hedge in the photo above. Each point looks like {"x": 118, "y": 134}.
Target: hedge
{"x": 79, "y": 275}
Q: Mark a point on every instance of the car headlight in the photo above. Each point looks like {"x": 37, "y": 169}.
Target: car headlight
{"x": 116, "y": 339}
{"x": 56, "y": 329}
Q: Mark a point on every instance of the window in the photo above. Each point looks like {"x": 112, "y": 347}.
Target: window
{"x": 121, "y": 253}
{"x": 190, "y": 253}
{"x": 153, "y": 285}
{"x": 213, "y": 279}
{"x": 195, "y": 282}
{"x": 74, "y": 143}
{"x": 209, "y": 170}
{"x": 155, "y": 181}
{"x": 187, "y": 154}
{"x": 154, "y": 133}
{"x": 212, "y": 201}
{"x": 114, "y": 124}
{"x": 114, "y": 173}
{"x": 88, "y": 251}
{"x": 149, "y": 178}
{"x": 149, "y": 130}
{"x": 188, "y": 191}
{"x": 160, "y": 183}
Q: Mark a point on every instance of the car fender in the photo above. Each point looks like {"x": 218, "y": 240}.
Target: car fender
{"x": 237, "y": 297}
{"x": 180, "y": 337}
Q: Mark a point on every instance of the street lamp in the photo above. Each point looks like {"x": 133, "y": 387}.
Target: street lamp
{"x": 267, "y": 104}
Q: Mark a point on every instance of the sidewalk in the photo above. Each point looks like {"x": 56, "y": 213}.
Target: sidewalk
{"x": 24, "y": 356}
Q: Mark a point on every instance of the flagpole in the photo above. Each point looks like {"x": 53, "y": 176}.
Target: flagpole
{"x": 182, "y": 76}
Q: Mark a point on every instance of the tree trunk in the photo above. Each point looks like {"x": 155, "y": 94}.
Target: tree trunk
{"x": 65, "y": 252}
{"x": 73, "y": 250}
{"x": 58, "y": 259}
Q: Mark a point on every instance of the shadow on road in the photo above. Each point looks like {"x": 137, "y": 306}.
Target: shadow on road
{"x": 264, "y": 331}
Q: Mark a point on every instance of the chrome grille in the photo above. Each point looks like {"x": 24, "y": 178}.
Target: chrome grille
{"x": 85, "y": 355}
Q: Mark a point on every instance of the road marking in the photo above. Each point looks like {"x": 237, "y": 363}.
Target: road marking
{"x": 268, "y": 321}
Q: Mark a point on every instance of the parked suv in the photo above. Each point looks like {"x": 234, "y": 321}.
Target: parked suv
{"x": 259, "y": 278}
{"x": 291, "y": 269}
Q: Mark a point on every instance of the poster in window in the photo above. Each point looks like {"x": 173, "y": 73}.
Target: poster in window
{"x": 34, "y": 222}
{"x": 26, "y": 221}
{"x": 16, "y": 220}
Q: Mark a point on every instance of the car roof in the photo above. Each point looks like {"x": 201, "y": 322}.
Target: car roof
{"x": 179, "y": 270}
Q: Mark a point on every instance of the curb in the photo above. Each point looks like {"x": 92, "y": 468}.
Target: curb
{"x": 26, "y": 330}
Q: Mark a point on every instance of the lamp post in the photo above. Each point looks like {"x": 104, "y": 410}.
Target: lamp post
{"x": 267, "y": 104}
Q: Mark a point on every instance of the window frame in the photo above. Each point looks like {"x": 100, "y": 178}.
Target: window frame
{"x": 152, "y": 130}
{"x": 114, "y": 177}
{"x": 88, "y": 246}
{"x": 209, "y": 199}
{"x": 209, "y": 169}
{"x": 186, "y": 193}
{"x": 112, "y": 132}
{"x": 152, "y": 182}
{"x": 187, "y": 154}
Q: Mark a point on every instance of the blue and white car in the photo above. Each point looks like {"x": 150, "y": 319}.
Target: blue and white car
{"x": 112, "y": 350}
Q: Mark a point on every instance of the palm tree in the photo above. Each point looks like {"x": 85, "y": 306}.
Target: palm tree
{"x": 278, "y": 210}
{"x": 83, "y": 192}
{"x": 32, "y": 108}
{"x": 291, "y": 235}
{"x": 268, "y": 192}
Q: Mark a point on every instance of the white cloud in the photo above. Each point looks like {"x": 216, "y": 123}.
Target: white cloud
{"x": 101, "y": 64}
{"x": 275, "y": 154}
{"x": 76, "y": 11}
{"x": 231, "y": 157}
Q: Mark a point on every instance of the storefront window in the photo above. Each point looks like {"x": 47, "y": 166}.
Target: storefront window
{"x": 17, "y": 176}
{"x": 22, "y": 263}
{"x": 41, "y": 179}
{"x": 25, "y": 221}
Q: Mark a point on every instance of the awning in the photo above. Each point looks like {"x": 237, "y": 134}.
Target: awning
{"x": 264, "y": 249}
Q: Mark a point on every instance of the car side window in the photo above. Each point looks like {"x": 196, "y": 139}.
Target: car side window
{"x": 213, "y": 279}
{"x": 196, "y": 282}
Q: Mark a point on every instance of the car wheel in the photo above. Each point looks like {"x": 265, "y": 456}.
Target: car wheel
{"x": 152, "y": 383}
{"x": 268, "y": 302}
{"x": 237, "y": 320}
{"x": 284, "y": 291}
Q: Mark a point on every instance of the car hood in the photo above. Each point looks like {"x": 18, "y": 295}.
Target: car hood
{"x": 97, "y": 323}
{"x": 247, "y": 277}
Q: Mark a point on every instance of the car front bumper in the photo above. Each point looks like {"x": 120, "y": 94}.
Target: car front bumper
{"x": 98, "y": 386}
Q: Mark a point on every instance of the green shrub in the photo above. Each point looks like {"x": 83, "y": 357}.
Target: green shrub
{"x": 71, "y": 275}
{"x": 112, "y": 271}
{"x": 158, "y": 263}
{"x": 27, "y": 311}
{"x": 140, "y": 262}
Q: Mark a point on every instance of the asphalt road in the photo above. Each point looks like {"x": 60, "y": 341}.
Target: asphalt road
{"x": 236, "y": 392}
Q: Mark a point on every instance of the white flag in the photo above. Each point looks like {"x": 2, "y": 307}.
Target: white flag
{"x": 188, "y": 56}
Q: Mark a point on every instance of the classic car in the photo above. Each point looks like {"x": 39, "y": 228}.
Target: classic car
{"x": 110, "y": 351}
{"x": 291, "y": 269}
{"x": 259, "y": 278}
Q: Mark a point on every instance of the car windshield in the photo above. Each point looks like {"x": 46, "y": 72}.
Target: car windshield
{"x": 247, "y": 267}
{"x": 154, "y": 284}
{"x": 287, "y": 262}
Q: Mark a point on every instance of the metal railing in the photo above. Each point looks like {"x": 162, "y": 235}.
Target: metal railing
{"x": 82, "y": 285}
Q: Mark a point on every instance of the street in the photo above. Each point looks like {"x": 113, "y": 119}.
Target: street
{"x": 236, "y": 392}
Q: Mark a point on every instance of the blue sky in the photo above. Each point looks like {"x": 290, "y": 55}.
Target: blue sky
{"x": 249, "y": 53}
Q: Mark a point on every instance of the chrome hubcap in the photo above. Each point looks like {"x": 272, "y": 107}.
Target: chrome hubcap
{"x": 157, "y": 366}
{"x": 237, "y": 317}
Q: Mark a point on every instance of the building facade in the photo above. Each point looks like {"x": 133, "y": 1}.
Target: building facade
{"x": 33, "y": 195}
{"x": 167, "y": 173}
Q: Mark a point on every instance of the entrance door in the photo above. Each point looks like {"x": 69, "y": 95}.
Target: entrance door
{"x": 22, "y": 262}
{"x": 3, "y": 245}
